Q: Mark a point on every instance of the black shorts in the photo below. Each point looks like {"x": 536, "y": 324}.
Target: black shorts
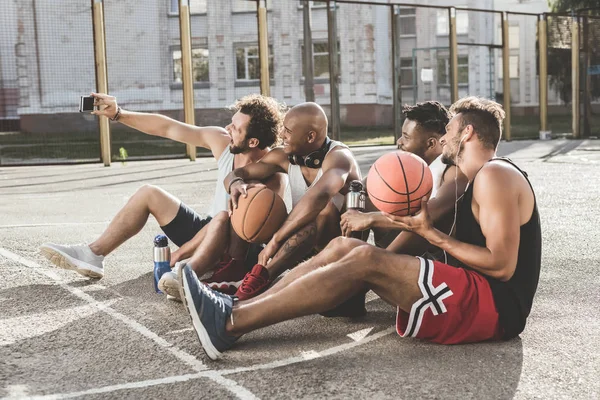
{"x": 184, "y": 226}
{"x": 187, "y": 223}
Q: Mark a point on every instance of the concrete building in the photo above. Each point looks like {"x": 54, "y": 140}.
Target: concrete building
{"x": 47, "y": 57}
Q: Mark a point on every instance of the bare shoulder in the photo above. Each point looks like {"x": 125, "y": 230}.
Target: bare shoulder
{"x": 338, "y": 157}
{"x": 498, "y": 178}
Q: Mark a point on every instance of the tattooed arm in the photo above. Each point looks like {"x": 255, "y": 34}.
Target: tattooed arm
{"x": 294, "y": 250}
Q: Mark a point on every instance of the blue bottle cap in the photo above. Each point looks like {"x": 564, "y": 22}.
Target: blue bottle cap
{"x": 161, "y": 241}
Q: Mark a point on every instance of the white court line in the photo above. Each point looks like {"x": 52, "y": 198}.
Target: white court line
{"x": 218, "y": 376}
{"x": 188, "y": 359}
{"x": 45, "y": 322}
{"x": 53, "y": 224}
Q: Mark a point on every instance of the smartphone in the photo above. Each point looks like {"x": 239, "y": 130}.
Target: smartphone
{"x": 86, "y": 103}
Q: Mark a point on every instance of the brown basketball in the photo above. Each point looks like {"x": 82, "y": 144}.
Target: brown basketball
{"x": 259, "y": 215}
{"x": 398, "y": 181}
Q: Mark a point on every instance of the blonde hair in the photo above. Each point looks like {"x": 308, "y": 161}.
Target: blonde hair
{"x": 485, "y": 115}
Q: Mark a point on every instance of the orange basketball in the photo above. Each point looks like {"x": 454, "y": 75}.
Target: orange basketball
{"x": 259, "y": 215}
{"x": 398, "y": 181}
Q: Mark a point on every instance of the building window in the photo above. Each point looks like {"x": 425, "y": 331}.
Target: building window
{"x": 321, "y": 60}
{"x": 443, "y": 72}
{"x": 247, "y": 63}
{"x": 407, "y": 21}
{"x": 443, "y": 26}
{"x": 313, "y": 4}
{"x": 196, "y": 6}
{"x": 406, "y": 72}
{"x": 247, "y": 5}
{"x": 513, "y": 67}
{"x": 199, "y": 65}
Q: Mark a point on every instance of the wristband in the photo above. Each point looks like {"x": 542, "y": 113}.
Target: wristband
{"x": 234, "y": 180}
{"x": 117, "y": 115}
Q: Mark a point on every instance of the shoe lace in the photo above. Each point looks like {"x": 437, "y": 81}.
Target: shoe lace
{"x": 218, "y": 300}
{"x": 251, "y": 283}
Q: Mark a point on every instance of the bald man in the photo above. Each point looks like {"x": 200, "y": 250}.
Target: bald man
{"x": 319, "y": 171}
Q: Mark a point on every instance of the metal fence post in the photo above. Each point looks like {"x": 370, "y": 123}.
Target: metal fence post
{"x": 334, "y": 92}
{"x": 309, "y": 70}
{"x": 543, "y": 77}
{"x": 575, "y": 74}
{"x": 506, "y": 76}
{"x": 397, "y": 84}
{"x": 263, "y": 48}
{"x": 101, "y": 75}
{"x": 453, "y": 55}
{"x": 186, "y": 70}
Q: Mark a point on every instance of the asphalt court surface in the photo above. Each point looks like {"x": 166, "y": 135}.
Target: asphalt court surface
{"x": 63, "y": 336}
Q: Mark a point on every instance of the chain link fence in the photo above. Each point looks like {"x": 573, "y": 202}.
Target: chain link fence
{"x": 47, "y": 62}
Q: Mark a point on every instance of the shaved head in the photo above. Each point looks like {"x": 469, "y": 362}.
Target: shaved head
{"x": 310, "y": 117}
{"x": 305, "y": 128}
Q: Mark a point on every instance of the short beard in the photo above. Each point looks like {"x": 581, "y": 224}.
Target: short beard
{"x": 233, "y": 149}
{"x": 453, "y": 160}
{"x": 447, "y": 160}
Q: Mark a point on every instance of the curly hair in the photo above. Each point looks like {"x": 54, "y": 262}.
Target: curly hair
{"x": 430, "y": 115}
{"x": 484, "y": 115}
{"x": 266, "y": 118}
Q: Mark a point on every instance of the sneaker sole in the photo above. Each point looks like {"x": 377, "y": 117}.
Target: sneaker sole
{"x": 201, "y": 332}
{"x": 171, "y": 289}
{"x": 65, "y": 261}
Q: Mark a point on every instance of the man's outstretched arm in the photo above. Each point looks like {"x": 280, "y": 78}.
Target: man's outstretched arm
{"x": 213, "y": 138}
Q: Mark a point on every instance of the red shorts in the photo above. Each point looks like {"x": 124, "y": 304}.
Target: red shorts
{"x": 457, "y": 307}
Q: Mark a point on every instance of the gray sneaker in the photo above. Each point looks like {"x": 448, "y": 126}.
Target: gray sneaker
{"x": 209, "y": 311}
{"x": 78, "y": 258}
{"x": 169, "y": 284}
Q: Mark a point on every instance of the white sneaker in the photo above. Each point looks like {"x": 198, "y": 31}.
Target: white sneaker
{"x": 79, "y": 258}
{"x": 169, "y": 284}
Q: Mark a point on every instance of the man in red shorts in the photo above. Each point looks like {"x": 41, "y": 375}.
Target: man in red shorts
{"x": 485, "y": 293}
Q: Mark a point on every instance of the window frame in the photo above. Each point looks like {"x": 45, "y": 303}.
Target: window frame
{"x": 312, "y": 5}
{"x": 407, "y": 16}
{"x": 254, "y": 11}
{"x": 174, "y": 12}
{"x": 179, "y": 85}
{"x": 320, "y": 80}
{"x": 446, "y": 59}
{"x": 256, "y": 81}
{"x": 412, "y": 73}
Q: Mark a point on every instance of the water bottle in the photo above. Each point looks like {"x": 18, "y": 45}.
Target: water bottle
{"x": 355, "y": 200}
{"x": 162, "y": 259}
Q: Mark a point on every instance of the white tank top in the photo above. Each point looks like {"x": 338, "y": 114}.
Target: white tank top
{"x": 225, "y": 166}
{"x": 437, "y": 168}
{"x": 297, "y": 187}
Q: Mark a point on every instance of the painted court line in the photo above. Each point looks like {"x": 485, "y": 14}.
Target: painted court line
{"x": 187, "y": 358}
{"x": 53, "y": 224}
{"x": 219, "y": 375}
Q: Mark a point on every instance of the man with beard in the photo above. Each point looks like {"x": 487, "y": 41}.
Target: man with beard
{"x": 254, "y": 127}
{"x": 424, "y": 126}
{"x": 319, "y": 171}
{"x": 486, "y": 293}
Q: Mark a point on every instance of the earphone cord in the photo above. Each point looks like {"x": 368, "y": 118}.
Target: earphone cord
{"x": 455, "y": 208}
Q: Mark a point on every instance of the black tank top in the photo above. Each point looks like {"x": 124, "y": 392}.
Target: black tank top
{"x": 513, "y": 298}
